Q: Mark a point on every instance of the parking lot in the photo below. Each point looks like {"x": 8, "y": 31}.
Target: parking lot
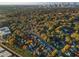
{"x": 5, "y": 53}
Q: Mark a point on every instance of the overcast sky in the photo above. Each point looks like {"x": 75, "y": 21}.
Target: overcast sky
{"x": 23, "y": 3}
{"x": 20, "y": 3}
{"x": 31, "y": 2}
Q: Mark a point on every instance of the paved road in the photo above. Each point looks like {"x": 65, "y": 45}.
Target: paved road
{"x": 49, "y": 47}
{"x": 7, "y": 52}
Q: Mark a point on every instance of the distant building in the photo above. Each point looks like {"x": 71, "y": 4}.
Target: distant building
{"x": 4, "y": 31}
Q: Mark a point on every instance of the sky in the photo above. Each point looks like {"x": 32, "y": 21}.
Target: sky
{"x": 29, "y": 2}
{"x": 21, "y": 3}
